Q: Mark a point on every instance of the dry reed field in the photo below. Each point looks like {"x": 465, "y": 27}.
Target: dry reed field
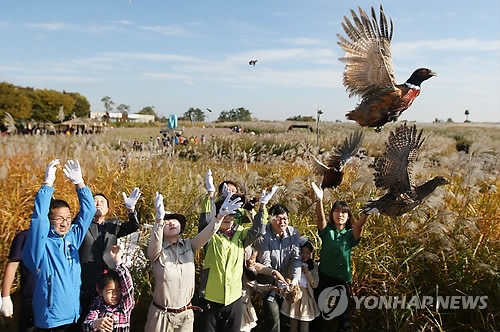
{"x": 449, "y": 245}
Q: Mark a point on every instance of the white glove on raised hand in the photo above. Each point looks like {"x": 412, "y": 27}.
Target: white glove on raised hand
{"x": 209, "y": 182}
{"x": 160, "y": 209}
{"x": 7, "y": 307}
{"x": 131, "y": 200}
{"x": 266, "y": 196}
{"x": 318, "y": 191}
{"x": 50, "y": 172}
{"x": 73, "y": 171}
{"x": 228, "y": 207}
{"x": 225, "y": 191}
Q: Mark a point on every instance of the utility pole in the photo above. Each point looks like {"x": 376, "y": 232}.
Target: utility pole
{"x": 317, "y": 126}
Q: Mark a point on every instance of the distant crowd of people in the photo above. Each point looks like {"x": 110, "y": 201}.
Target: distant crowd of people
{"x": 166, "y": 141}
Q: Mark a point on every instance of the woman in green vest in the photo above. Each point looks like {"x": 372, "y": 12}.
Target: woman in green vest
{"x": 221, "y": 277}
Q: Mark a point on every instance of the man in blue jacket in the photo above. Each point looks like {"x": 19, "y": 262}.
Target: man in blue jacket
{"x": 51, "y": 250}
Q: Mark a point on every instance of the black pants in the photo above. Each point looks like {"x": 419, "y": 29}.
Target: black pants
{"x": 221, "y": 318}
{"x": 344, "y": 320}
{"x": 271, "y": 313}
{"x": 26, "y": 319}
{"x": 86, "y": 299}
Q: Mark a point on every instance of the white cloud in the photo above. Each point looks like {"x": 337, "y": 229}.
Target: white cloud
{"x": 173, "y": 30}
{"x": 59, "y": 78}
{"x": 447, "y": 44}
{"x": 151, "y": 56}
{"x": 303, "y": 41}
{"x": 165, "y": 76}
{"x": 55, "y": 26}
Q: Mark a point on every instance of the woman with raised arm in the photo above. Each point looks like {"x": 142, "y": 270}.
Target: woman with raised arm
{"x": 172, "y": 258}
{"x": 339, "y": 235}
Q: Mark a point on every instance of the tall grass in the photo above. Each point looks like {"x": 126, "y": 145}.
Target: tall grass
{"x": 450, "y": 245}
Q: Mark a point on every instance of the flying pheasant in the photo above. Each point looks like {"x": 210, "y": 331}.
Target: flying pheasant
{"x": 394, "y": 172}
{"x": 333, "y": 171}
{"x": 369, "y": 73}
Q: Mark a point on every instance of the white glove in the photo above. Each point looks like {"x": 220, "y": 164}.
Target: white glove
{"x": 225, "y": 191}
{"x": 160, "y": 209}
{"x": 228, "y": 207}
{"x": 132, "y": 199}
{"x": 209, "y": 182}
{"x": 7, "y": 307}
{"x": 50, "y": 172}
{"x": 73, "y": 171}
{"x": 318, "y": 191}
{"x": 266, "y": 196}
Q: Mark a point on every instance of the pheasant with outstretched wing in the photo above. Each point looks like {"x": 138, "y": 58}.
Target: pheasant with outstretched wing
{"x": 333, "y": 170}
{"x": 369, "y": 72}
{"x": 393, "y": 172}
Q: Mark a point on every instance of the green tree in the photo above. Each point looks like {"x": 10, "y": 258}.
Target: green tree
{"x": 306, "y": 118}
{"x": 148, "y": 110}
{"x": 46, "y": 104}
{"x": 236, "y": 114}
{"x": 15, "y": 101}
{"x": 122, "y": 108}
{"x": 81, "y": 108}
{"x": 108, "y": 103}
{"x": 193, "y": 114}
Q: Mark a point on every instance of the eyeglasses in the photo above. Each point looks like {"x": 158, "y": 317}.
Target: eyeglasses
{"x": 282, "y": 218}
{"x": 59, "y": 220}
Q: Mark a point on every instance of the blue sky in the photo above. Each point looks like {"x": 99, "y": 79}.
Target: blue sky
{"x": 180, "y": 54}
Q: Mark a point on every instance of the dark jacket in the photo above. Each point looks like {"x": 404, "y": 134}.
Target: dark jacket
{"x": 94, "y": 251}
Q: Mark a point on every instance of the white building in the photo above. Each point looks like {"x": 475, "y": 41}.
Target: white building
{"x": 117, "y": 116}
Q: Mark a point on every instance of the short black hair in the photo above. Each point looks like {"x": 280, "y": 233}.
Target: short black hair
{"x": 58, "y": 203}
{"x": 106, "y": 277}
{"x": 221, "y": 185}
{"x": 344, "y": 208}
{"x": 277, "y": 209}
{"x": 101, "y": 194}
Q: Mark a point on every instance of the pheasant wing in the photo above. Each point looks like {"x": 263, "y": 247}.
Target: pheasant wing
{"x": 319, "y": 167}
{"x": 367, "y": 56}
{"x": 344, "y": 152}
{"x": 394, "y": 170}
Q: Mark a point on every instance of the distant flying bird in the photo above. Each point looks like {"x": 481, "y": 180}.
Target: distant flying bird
{"x": 208, "y": 109}
{"x": 333, "y": 171}
{"x": 394, "y": 172}
{"x": 252, "y": 62}
{"x": 369, "y": 73}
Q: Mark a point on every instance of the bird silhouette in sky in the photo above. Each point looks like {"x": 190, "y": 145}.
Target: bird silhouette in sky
{"x": 208, "y": 109}
{"x": 252, "y": 62}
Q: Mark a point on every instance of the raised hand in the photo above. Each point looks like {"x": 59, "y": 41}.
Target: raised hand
{"x": 116, "y": 253}
{"x": 131, "y": 200}
{"x": 266, "y": 196}
{"x": 73, "y": 171}
{"x": 209, "y": 182}
{"x": 317, "y": 191}
{"x": 50, "y": 172}
{"x": 160, "y": 209}
{"x": 228, "y": 207}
